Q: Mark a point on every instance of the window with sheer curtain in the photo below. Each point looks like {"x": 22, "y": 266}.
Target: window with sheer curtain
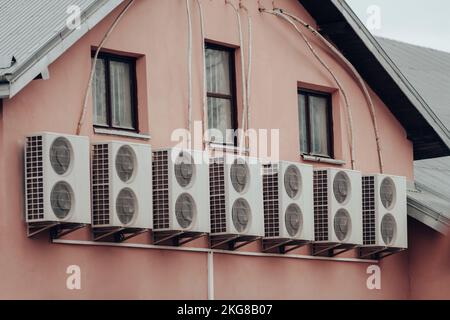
{"x": 114, "y": 92}
{"x": 221, "y": 94}
{"x": 315, "y": 121}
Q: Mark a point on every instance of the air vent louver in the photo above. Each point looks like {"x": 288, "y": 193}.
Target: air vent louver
{"x": 368, "y": 200}
{"x": 34, "y": 178}
{"x": 160, "y": 175}
{"x": 271, "y": 200}
{"x": 217, "y": 195}
{"x": 100, "y": 184}
{"x": 320, "y": 187}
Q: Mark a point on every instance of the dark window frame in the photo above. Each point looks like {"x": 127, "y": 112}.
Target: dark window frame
{"x": 232, "y": 96}
{"x": 330, "y": 135}
{"x": 131, "y": 61}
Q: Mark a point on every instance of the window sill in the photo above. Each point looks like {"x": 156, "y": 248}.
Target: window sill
{"x": 225, "y": 148}
{"x": 322, "y": 160}
{"x": 119, "y": 133}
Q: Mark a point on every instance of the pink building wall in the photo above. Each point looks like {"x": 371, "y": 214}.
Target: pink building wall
{"x": 155, "y": 31}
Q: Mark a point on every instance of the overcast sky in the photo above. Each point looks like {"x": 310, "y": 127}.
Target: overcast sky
{"x": 421, "y": 22}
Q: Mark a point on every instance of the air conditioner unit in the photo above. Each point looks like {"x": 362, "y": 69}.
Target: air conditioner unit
{"x": 236, "y": 196}
{"x": 180, "y": 191}
{"x": 384, "y": 211}
{"x": 57, "y": 179}
{"x": 121, "y": 185}
{"x": 337, "y": 206}
{"x": 288, "y": 201}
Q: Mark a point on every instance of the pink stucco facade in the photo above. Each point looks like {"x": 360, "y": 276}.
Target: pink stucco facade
{"x": 155, "y": 32}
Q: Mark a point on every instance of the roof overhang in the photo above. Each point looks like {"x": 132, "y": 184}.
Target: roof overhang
{"x": 337, "y": 22}
{"x": 11, "y": 84}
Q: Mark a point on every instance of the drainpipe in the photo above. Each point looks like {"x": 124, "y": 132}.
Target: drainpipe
{"x": 211, "y": 275}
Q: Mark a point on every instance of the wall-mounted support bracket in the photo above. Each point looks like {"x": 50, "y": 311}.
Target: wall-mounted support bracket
{"x": 282, "y": 245}
{"x": 377, "y": 253}
{"x": 230, "y": 242}
{"x": 55, "y": 229}
{"x": 175, "y": 238}
{"x": 330, "y": 249}
{"x": 116, "y": 234}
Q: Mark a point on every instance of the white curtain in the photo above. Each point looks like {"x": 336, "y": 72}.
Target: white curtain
{"x": 219, "y": 109}
{"x": 99, "y": 94}
{"x": 319, "y": 125}
{"x": 121, "y": 95}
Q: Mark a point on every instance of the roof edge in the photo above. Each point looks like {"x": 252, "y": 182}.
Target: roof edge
{"x": 394, "y": 72}
{"x": 428, "y": 216}
{"x": 54, "y": 48}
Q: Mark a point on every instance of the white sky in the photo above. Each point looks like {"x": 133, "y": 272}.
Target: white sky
{"x": 421, "y": 22}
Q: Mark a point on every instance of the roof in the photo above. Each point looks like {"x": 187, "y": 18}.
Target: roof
{"x": 34, "y": 33}
{"x": 423, "y": 126}
{"x": 428, "y": 70}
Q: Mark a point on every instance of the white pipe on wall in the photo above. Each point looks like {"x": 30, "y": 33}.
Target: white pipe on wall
{"x": 207, "y": 250}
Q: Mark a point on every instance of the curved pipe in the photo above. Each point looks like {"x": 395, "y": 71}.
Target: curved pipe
{"x": 244, "y": 89}
{"x": 94, "y": 64}
{"x": 324, "y": 64}
{"x": 356, "y": 75}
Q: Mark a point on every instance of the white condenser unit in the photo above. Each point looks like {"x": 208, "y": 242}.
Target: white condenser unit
{"x": 288, "y": 201}
{"x": 236, "y": 196}
{"x": 57, "y": 179}
{"x": 337, "y": 206}
{"x": 121, "y": 185}
{"x": 180, "y": 191}
{"x": 384, "y": 211}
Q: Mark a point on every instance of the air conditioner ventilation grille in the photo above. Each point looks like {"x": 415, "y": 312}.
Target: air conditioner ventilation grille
{"x": 320, "y": 186}
{"x": 34, "y": 178}
{"x": 271, "y": 203}
{"x": 217, "y": 195}
{"x": 100, "y": 184}
{"x": 160, "y": 165}
{"x": 388, "y": 229}
{"x": 368, "y": 210}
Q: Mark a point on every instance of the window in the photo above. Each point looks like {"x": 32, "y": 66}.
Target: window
{"x": 114, "y": 92}
{"x": 315, "y": 120}
{"x": 220, "y": 78}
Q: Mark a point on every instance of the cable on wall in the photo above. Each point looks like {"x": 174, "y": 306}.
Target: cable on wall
{"x": 189, "y": 21}
{"x": 244, "y": 89}
{"x": 249, "y": 60}
{"x": 356, "y": 75}
{"x": 94, "y": 64}
{"x": 205, "y": 98}
{"x": 325, "y": 65}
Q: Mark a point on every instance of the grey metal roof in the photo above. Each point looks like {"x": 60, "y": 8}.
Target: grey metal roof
{"x": 428, "y": 70}
{"x": 34, "y": 33}
{"x": 27, "y": 25}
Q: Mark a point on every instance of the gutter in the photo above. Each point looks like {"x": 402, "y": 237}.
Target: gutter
{"x": 11, "y": 84}
{"x": 428, "y": 216}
